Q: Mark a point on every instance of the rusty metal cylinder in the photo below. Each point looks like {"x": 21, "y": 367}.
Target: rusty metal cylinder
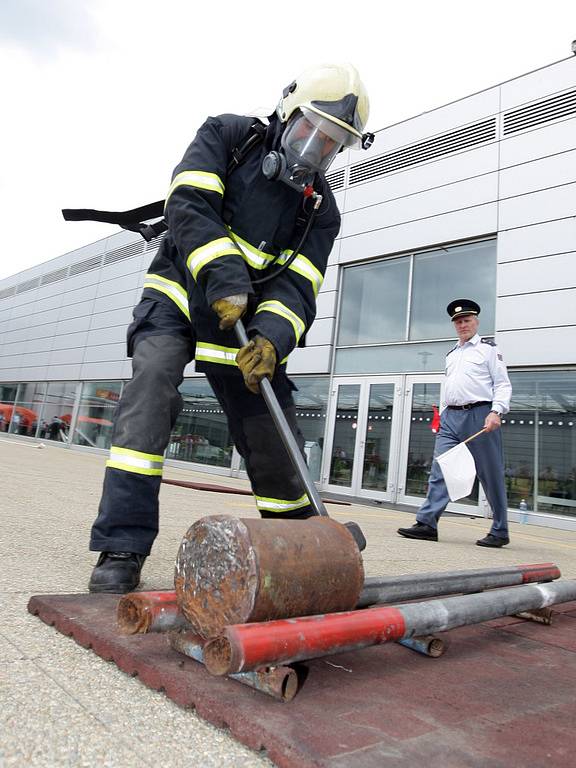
{"x": 233, "y": 571}
{"x": 141, "y": 612}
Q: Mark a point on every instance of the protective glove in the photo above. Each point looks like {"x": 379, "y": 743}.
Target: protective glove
{"x": 230, "y": 309}
{"x": 256, "y": 360}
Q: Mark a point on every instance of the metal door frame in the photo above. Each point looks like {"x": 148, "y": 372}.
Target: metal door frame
{"x": 355, "y": 488}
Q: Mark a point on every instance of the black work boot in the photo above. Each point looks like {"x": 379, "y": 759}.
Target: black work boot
{"x": 116, "y": 572}
{"x": 493, "y": 541}
{"x": 419, "y": 531}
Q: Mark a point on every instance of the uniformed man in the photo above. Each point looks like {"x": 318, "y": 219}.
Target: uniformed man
{"x": 477, "y": 393}
{"x": 249, "y": 235}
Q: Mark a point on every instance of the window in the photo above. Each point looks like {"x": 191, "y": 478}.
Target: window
{"x": 27, "y": 408}
{"x": 388, "y": 305}
{"x": 200, "y": 434}
{"x": 57, "y": 411}
{"x": 311, "y": 398}
{"x": 7, "y": 398}
{"x": 539, "y": 437}
{"x": 98, "y": 403}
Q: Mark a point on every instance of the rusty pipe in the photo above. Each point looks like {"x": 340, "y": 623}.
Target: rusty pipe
{"x": 278, "y": 682}
{"x": 245, "y": 647}
{"x": 141, "y": 612}
{"x": 429, "y": 645}
{"x": 232, "y": 571}
{"x": 416, "y": 586}
{"x": 232, "y": 489}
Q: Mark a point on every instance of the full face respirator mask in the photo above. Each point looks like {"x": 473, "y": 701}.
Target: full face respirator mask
{"x": 308, "y": 145}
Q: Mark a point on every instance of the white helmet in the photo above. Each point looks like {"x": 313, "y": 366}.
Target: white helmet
{"x": 333, "y": 98}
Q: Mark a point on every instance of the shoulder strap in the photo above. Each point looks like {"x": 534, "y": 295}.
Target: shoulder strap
{"x": 133, "y": 220}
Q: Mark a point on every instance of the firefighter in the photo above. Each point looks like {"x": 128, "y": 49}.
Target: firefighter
{"x": 249, "y": 235}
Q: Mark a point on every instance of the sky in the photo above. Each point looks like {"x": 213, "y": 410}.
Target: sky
{"x": 100, "y": 98}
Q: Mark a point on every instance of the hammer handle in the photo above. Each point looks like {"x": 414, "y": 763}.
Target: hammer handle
{"x": 285, "y": 433}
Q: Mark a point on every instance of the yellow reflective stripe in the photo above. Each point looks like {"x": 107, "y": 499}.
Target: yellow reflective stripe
{"x": 281, "y": 505}
{"x": 277, "y": 308}
{"x": 135, "y": 461}
{"x": 256, "y": 258}
{"x": 224, "y": 246}
{"x": 304, "y": 267}
{"x": 214, "y": 353}
{"x": 169, "y": 288}
{"x": 198, "y": 179}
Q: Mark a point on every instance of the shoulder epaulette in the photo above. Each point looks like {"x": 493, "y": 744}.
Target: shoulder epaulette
{"x": 452, "y": 350}
{"x": 488, "y": 341}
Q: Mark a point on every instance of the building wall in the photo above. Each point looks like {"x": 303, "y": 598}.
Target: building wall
{"x": 501, "y": 161}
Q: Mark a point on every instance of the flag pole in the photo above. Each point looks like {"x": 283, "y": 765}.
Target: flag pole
{"x": 473, "y": 436}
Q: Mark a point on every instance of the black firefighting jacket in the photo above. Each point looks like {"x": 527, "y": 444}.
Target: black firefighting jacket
{"x": 224, "y": 230}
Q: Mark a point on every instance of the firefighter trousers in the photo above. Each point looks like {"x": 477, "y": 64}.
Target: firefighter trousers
{"x": 127, "y": 518}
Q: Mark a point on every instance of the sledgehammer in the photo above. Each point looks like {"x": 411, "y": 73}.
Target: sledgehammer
{"x": 292, "y": 447}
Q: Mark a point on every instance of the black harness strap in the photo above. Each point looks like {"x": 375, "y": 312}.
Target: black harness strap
{"x": 133, "y": 220}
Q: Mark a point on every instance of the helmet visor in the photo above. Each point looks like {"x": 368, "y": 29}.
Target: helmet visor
{"x": 312, "y": 141}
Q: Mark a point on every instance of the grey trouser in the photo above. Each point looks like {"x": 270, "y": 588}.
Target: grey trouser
{"x": 456, "y": 426}
{"x": 128, "y": 513}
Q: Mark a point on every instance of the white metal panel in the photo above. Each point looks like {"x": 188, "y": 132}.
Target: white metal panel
{"x": 114, "y": 335}
{"x": 105, "y": 352}
{"x": 127, "y": 282}
{"x": 117, "y": 301}
{"x": 109, "y": 370}
{"x": 80, "y": 295}
{"x": 535, "y": 207}
{"x": 66, "y": 356}
{"x": 457, "y": 225}
{"x": 121, "y": 317}
{"x": 39, "y": 359}
{"x": 538, "y": 240}
{"x": 463, "y": 194}
{"x": 309, "y": 360}
{"x": 539, "y": 310}
{"x": 545, "y": 140}
{"x": 326, "y": 304}
{"x": 428, "y": 124}
{"x": 330, "y": 279}
{"x": 50, "y": 316}
{"x": 32, "y": 372}
{"x": 535, "y": 85}
{"x": 544, "y": 274}
{"x": 437, "y": 173}
{"x": 320, "y": 333}
{"x": 334, "y": 254}
{"x": 63, "y": 372}
{"x": 73, "y": 325}
{"x": 70, "y": 341}
{"x": 546, "y": 346}
{"x": 36, "y": 344}
{"x": 539, "y": 174}
{"x": 43, "y": 331}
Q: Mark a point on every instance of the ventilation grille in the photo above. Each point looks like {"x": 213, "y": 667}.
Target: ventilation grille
{"x": 541, "y": 112}
{"x": 125, "y": 252}
{"x": 155, "y": 242}
{"x": 336, "y": 179}
{"x": 53, "y": 277}
{"x": 28, "y": 285}
{"x": 86, "y": 266}
{"x": 8, "y": 292}
{"x": 446, "y": 144}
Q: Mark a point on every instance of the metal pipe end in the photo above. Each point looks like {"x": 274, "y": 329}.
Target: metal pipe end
{"x": 218, "y": 656}
{"x": 133, "y": 616}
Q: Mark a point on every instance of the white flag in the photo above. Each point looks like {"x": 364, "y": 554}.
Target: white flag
{"x": 459, "y": 471}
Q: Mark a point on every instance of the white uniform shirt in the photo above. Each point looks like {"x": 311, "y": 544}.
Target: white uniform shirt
{"x": 475, "y": 372}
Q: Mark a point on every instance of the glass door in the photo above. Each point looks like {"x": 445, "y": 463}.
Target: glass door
{"x": 363, "y": 429}
{"x": 422, "y": 397}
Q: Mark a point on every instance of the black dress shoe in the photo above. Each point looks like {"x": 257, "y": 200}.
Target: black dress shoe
{"x": 493, "y": 541}
{"x": 419, "y": 531}
{"x": 116, "y": 572}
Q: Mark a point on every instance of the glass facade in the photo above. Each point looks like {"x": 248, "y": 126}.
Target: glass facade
{"x": 57, "y": 411}
{"x": 311, "y": 400}
{"x": 201, "y": 433}
{"x": 26, "y": 413}
{"x": 539, "y": 437}
{"x": 98, "y": 402}
{"x": 8, "y": 394}
{"x": 377, "y": 437}
{"x": 388, "y": 305}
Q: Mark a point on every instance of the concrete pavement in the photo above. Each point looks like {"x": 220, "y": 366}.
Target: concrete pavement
{"x": 60, "y": 705}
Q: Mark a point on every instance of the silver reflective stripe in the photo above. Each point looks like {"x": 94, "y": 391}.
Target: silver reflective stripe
{"x": 169, "y": 288}
{"x": 214, "y": 353}
{"x": 278, "y": 308}
{"x": 304, "y": 267}
{"x": 281, "y": 505}
{"x": 140, "y": 463}
{"x": 199, "y": 179}
{"x": 199, "y": 257}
